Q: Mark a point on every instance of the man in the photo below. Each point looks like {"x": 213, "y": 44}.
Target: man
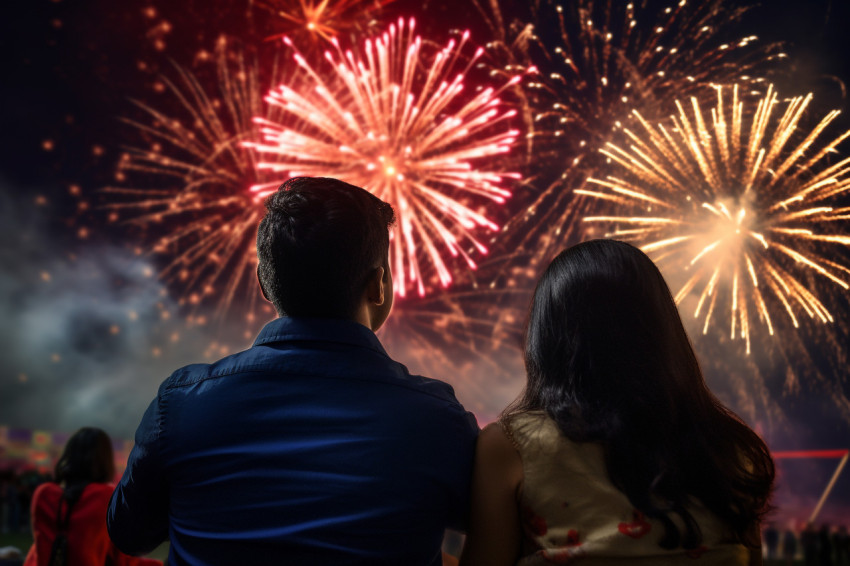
{"x": 313, "y": 446}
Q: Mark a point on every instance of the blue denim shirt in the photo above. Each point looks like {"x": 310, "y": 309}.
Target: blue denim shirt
{"x": 311, "y": 447}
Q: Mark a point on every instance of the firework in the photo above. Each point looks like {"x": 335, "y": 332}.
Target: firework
{"x": 397, "y": 119}
{"x": 615, "y": 56}
{"x": 744, "y": 207}
{"x": 595, "y": 62}
{"x": 312, "y": 20}
{"x": 202, "y": 217}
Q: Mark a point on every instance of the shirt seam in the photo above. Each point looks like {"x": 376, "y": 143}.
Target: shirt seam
{"x": 173, "y": 386}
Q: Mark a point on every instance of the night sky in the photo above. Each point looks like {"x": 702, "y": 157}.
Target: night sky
{"x": 89, "y": 331}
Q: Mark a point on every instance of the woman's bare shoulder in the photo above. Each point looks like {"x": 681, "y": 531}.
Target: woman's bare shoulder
{"x": 497, "y": 451}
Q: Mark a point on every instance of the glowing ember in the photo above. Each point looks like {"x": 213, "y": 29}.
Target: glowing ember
{"x": 320, "y": 19}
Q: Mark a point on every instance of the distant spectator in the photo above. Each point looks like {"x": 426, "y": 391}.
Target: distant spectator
{"x": 789, "y": 546}
{"x": 69, "y": 516}
{"x": 5, "y": 488}
{"x": 10, "y": 555}
{"x": 809, "y": 540}
{"x": 13, "y": 500}
{"x": 824, "y": 547}
{"x": 841, "y": 546}
{"x": 27, "y": 483}
{"x": 771, "y": 540}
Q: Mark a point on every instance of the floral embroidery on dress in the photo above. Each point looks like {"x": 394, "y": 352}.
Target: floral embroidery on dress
{"x": 572, "y": 538}
{"x": 571, "y": 513}
{"x": 637, "y": 528}
{"x": 535, "y": 523}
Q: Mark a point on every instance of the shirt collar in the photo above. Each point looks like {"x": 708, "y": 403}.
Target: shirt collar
{"x": 285, "y": 329}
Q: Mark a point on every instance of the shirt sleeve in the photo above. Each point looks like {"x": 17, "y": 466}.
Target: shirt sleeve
{"x": 137, "y": 518}
{"x": 465, "y": 435}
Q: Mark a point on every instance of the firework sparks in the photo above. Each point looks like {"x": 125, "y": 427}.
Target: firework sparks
{"x": 596, "y": 61}
{"x": 204, "y": 219}
{"x": 609, "y": 60}
{"x": 396, "y": 123}
{"x": 742, "y": 207}
{"x": 320, "y": 19}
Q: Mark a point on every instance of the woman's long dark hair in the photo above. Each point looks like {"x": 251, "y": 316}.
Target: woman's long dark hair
{"x": 609, "y": 361}
{"x": 87, "y": 458}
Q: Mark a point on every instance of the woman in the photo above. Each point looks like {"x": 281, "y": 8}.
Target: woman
{"x": 73, "y": 509}
{"x": 616, "y": 452}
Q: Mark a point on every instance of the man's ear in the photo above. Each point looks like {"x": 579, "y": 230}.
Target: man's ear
{"x": 263, "y": 289}
{"x": 375, "y": 287}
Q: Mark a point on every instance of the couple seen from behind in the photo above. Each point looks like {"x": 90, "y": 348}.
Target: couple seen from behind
{"x": 315, "y": 447}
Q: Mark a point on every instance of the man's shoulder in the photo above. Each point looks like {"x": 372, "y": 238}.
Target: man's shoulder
{"x": 194, "y": 373}
{"x": 429, "y": 386}
{"x": 187, "y": 375}
{"x": 438, "y": 396}
{"x": 365, "y": 366}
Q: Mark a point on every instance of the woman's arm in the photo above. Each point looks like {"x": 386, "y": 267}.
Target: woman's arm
{"x": 754, "y": 538}
{"x": 495, "y": 533}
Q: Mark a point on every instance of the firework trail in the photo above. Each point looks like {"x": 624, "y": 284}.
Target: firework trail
{"x": 744, "y": 207}
{"x": 595, "y": 62}
{"x": 397, "y": 119}
{"x": 309, "y": 21}
{"x": 204, "y": 217}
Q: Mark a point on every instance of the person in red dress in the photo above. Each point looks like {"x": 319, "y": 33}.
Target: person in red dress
{"x": 74, "y": 507}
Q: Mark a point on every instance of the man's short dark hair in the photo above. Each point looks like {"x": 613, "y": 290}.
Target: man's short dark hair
{"x": 317, "y": 244}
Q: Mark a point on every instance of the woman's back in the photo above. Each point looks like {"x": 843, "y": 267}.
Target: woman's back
{"x": 82, "y": 473}
{"x": 88, "y": 540}
{"x": 570, "y": 509}
{"x": 644, "y": 450}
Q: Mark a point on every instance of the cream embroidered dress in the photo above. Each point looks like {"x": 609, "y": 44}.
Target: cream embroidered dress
{"x": 571, "y": 512}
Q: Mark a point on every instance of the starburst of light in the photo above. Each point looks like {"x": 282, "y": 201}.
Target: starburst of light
{"x": 744, "y": 207}
{"x": 397, "y": 118}
{"x": 320, "y": 19}
{"x": 597, "y": 60}
{"x": 201, "y": 216}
